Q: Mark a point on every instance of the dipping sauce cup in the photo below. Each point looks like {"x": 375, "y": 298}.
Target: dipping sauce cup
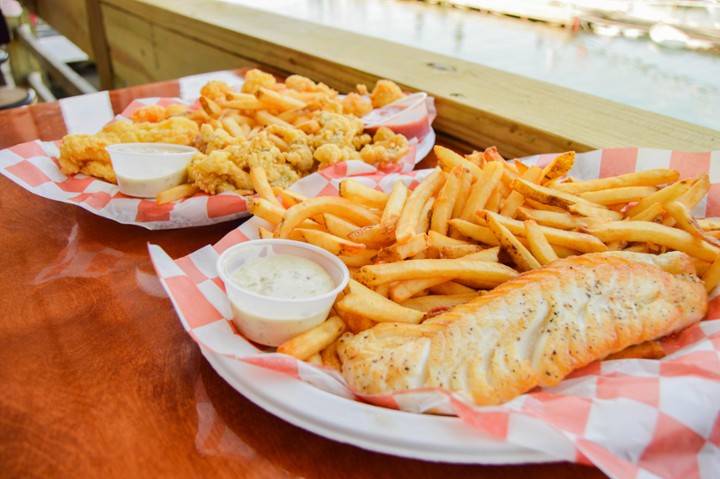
{"x": 146, "y": 169}
{"x": 280, "y": 288}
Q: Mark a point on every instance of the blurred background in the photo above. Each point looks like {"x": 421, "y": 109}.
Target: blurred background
{"x": 662, "y": 56}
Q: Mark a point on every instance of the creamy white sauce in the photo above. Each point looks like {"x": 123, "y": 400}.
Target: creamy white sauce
{"x": 146, "y": 169}
{"x": 284, "y": 276}
{"x": 151, "y": 148}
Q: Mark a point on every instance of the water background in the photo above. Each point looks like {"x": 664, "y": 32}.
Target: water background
{"x": 680, "y": 83}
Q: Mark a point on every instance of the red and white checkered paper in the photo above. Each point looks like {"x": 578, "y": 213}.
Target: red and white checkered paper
{"x": 631, "y": 418}
{"x": 34, "y": 165}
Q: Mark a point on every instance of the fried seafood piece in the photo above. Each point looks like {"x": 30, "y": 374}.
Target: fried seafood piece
{"x": 387, "y": 148}
{"x": 216, "y": 172}
{"x": 384, "y": 93}
{"x": 336, "y": 128}
{"x": 532, "y": 330}
{"x": 330, "y": 153}
{"x": 296, "y": 147}
{"x": 256, "y": 79}
{"x": 212, "y": 139}
{"x": 216, "y": 90}
{"x": 176, "y": 129}
{"x": 304, "y": 84}
{"x": 157, "y": 113}
{"x": 86, "y": 153}
{"x": 150, "y": 113}
{"x": 355, "y": 104}
{"x": 228, "y": 169}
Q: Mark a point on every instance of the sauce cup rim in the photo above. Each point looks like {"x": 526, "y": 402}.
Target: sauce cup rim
{"x": 299, "y": 244}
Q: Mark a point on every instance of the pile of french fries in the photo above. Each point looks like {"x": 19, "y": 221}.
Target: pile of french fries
{"x": 472, "y": 223}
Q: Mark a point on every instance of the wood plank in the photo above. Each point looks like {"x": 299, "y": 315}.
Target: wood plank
{"x": 143, "y": 52}
{"x": 69, "y": 17}
{"x": 479, "y": 106}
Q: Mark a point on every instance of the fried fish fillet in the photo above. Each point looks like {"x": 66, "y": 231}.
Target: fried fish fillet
{"x": 532, "y": 330}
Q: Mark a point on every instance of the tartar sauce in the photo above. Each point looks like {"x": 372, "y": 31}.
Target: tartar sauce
{"x": 284, "y": 276}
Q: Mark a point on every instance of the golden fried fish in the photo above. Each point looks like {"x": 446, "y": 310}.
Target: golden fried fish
{"x": 532, "y": 330}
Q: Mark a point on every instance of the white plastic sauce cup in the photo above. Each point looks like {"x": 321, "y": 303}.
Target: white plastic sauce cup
{"x": 146, "y": 169}
{"x": 269, "y": 320}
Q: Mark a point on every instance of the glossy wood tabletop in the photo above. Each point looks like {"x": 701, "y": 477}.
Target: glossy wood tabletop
{"x": 99, "y": 378}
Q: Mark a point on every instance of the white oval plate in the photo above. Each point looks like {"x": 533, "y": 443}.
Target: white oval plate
{"x": 404, "y": 434}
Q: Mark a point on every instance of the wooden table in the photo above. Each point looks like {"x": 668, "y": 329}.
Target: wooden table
{"x": 100, "y": 380}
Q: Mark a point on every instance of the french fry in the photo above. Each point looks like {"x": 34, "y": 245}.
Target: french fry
{"x": 593, "y": 212}
{"x": 481, "y": 190}
{"x": 264, "y": 117}
{"x": 289, "y": 198}
{"x": 210, "y": 107}
{"x": 539, "y": 245}
{"x": 451, "y": 287}
{"x": 327, "y": 241}
{"x": 711, "y": 277}
{"x": 313, "y": 340}
{"x": 436, "y": 239}
{"x": 398, "y": 252}
{"x": 393, "y": 207}
{"x": 549, "y": 196}
{"x": 654, "y": 177}
{"x": 685, "y": 221}
{"x": 233, "y": 127}
{"x": 561, "y": 220}
{"x": 709, "y": 224}
{"x": 399, "y": 291}
{"x": 653, "y": 212}
{"x": 324, "y": 204}
{"x": 443, "y": 207}
{"x": 465, "y": 179}
{"x": 646, "y": 350}
{"x": 330, "y": 356}
{"x": 522, "y": 258}
{"x": 645, "y": 231}
{"x": 423, "y": 224}
{"x": 338, "y": 226}
{"x": 436, "y": 302}
{"x": 176, "y": 193}
{"x": 266, "y": 210}
{"x": 558, "y": 167}
{"x": 362, "y": 194}
{"x": 574, "y": 240}
{"x": 482, "y": 271}
{"x": 273, "y": 99}
{"x": 264, "y": 233}
{"x": 489, "y": 254}
{"x": 456, "y": 251}
{"x": 372, "y": 235}
{"x": 664, "y": 195}
{"x": 448, "y": 160}
{"x": 696, "y": 192}
{"x": 410, "y": 216}
{"x": 365, "y": 302}
{"x": 481, "y": 234}
{"x": 625, "y": 194}
{"x": 260, "y": 183}
{"x": 244, "y": 102}
{"x": 360, "y": 259}
{"x": 516, "y": 199}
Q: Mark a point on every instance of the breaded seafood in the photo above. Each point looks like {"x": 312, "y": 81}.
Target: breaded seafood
{"x": 532, "y": 330}
{"x": 86, "y": 153}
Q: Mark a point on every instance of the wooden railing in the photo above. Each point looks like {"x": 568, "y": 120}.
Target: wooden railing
{"x": 150, "y": 40}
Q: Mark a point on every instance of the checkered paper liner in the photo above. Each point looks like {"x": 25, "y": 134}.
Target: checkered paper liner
{"x": 34, "y": 166}
{"x": 631, "y": 418}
